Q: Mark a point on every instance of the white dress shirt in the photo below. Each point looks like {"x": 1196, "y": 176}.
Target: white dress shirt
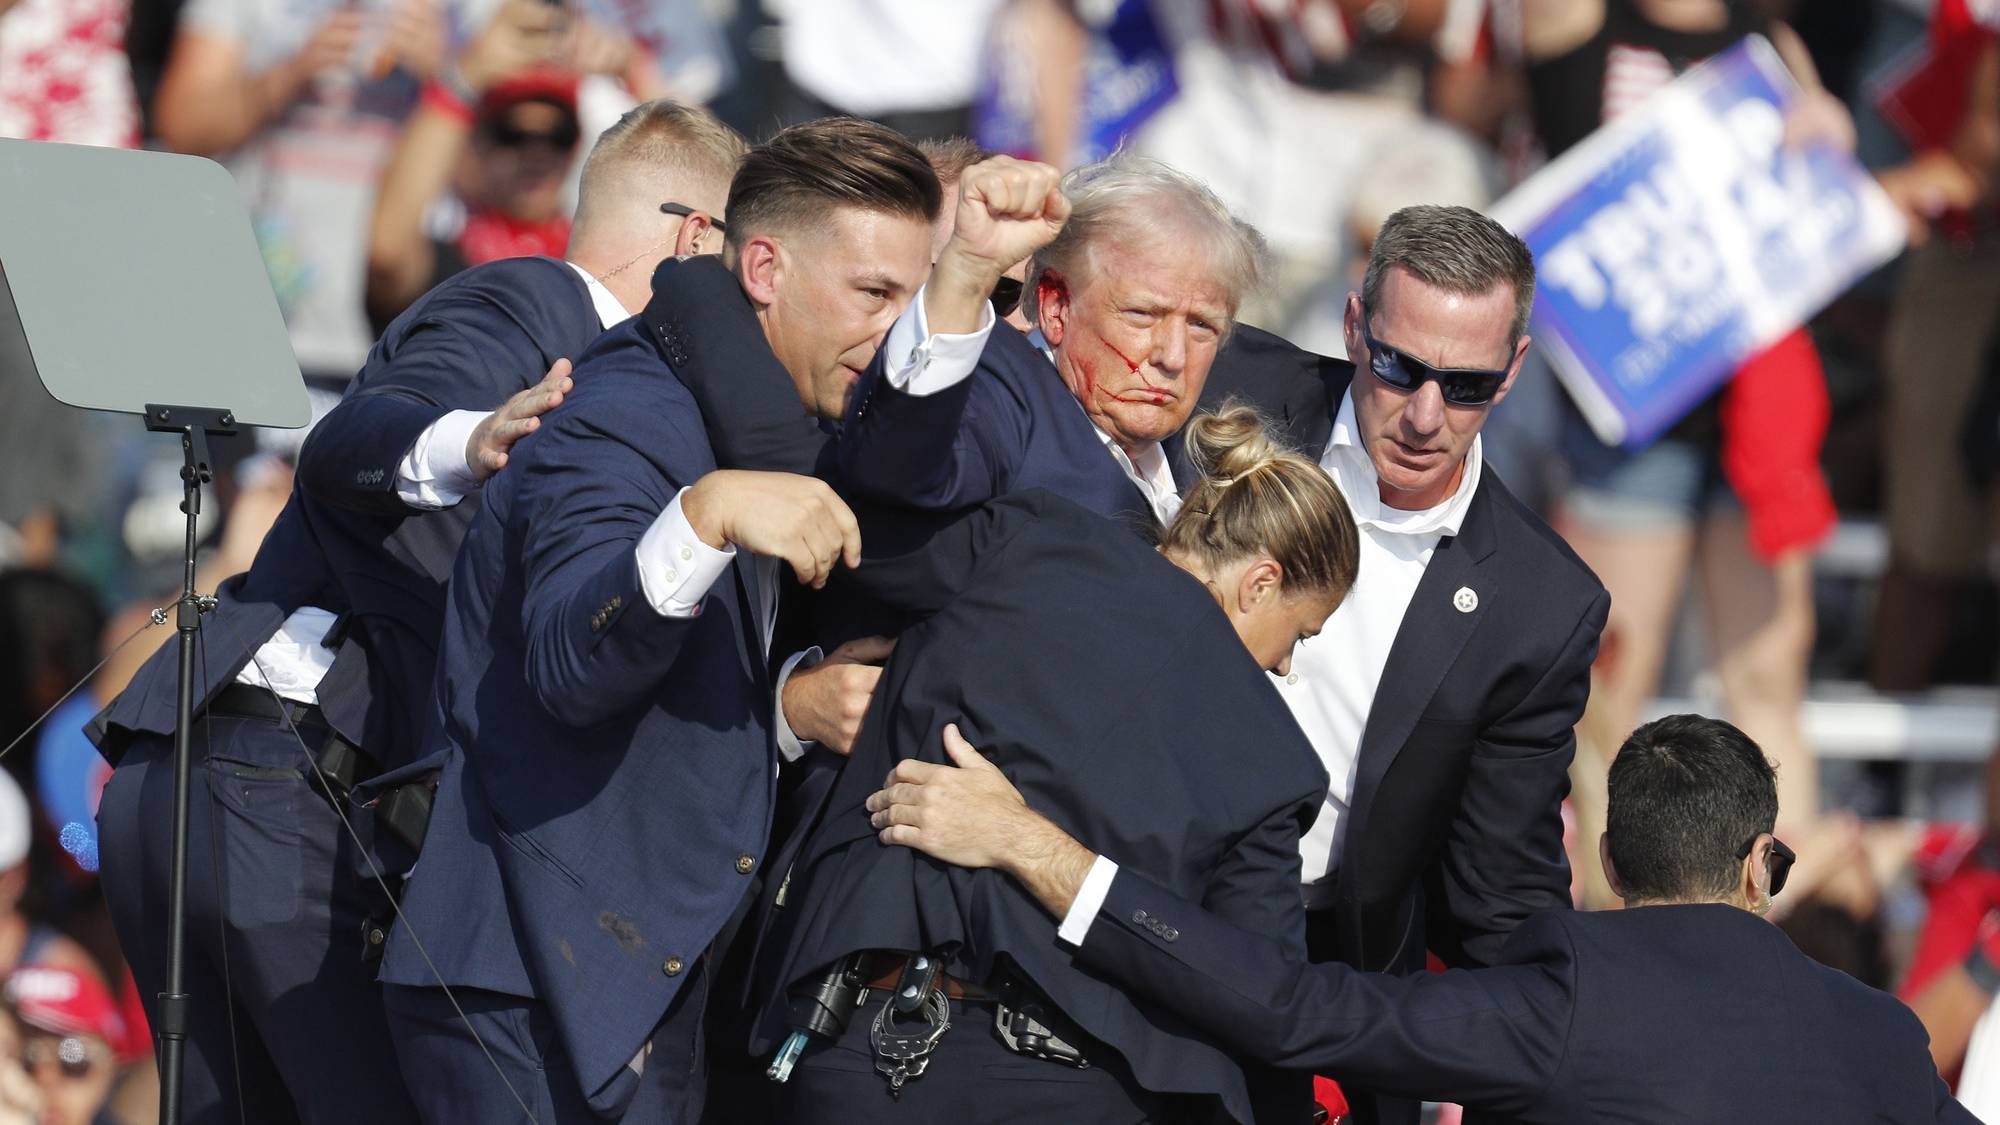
{"x": 1331, "y": 687}
{"x": 1149, "y": 470}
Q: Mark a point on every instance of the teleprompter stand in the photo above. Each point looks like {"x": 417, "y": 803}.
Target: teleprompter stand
{"x": 194, "y": 424}
{"x": 131, "y": 281}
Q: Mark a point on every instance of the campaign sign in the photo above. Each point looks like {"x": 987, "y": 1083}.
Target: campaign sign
{"x": 1128, "y": 74}
{"x": 1685, "y": 237}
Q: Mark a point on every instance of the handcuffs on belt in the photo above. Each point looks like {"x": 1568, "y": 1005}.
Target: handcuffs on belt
{"x": 902, "y": 1053}
{"x": 913, "y": 1019}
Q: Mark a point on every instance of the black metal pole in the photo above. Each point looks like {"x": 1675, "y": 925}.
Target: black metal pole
{"x": 194, "y": 426}
{"x": 174, "y": 1002}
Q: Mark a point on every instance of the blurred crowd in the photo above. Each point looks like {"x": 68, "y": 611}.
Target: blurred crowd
{"x": 382, "y": 145}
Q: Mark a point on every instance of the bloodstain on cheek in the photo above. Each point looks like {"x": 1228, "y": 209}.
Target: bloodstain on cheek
{"x": 1087, "y": 373}
{"x": 1146, "y": 387}
{"x": 1130, "y": 363}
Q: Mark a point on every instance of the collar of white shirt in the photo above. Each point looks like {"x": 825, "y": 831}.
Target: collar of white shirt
{"x": 1148, "y": 468}
{"x": 1348, "y": 463}
{"x": 610, "y": 311}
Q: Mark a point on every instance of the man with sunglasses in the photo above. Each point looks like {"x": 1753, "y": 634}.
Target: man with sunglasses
{"x": 1443, "y": 693}
{"x": 1685, "y": 1006}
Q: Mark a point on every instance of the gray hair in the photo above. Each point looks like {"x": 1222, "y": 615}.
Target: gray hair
{"x": 1455, "y": 249}
{"x": 1126, "y": 198}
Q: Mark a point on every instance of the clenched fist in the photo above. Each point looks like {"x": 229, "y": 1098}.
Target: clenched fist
{"x": 1007, "y": 210}
{"x": 826, "y": 703}
{"x": 779, "y": 515}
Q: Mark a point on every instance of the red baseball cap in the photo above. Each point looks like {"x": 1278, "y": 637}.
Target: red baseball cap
{"x": 542, "y": 84}
{"x": 64, "y": 1002}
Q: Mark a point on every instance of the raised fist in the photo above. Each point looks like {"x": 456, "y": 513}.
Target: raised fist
{"x": 1007, "y": 210}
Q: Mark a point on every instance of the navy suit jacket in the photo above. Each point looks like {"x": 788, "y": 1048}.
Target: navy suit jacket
{"x": 1012, "y": 426}
{"x": 1107, "y": 684}
{"x": 344, "y": 541}
{"x": 1656, "y": 1014}
{"x": 607, "y": 771}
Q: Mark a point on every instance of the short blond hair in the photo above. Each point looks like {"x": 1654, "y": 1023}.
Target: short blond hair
{"x": 681, "y": 153}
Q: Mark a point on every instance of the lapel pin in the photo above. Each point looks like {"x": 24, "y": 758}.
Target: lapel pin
{"x": 1465, "y": 601}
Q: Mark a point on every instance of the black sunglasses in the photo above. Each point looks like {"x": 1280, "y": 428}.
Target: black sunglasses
{"x": 505, "y": 134}
{"x": 1461, "y": 386}
{"x": 1781, "y": 861}
{"x": 683, "y": 210}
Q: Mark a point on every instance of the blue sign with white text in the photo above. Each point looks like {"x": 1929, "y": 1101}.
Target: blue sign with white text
{"x": 1682, "y": 239}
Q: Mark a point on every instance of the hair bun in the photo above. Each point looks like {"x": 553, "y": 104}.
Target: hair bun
{"x": 1230, "y": 444}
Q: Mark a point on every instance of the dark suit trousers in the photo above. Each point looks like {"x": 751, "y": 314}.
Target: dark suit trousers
{"x": 972, "y": 1079}
{"x": 275, "y": 902}
{"x": 461, "y": 1085}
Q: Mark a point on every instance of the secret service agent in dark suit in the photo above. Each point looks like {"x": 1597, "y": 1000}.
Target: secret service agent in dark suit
{"x": 1683, "y": 1007}
{"x": 274, "y": 864}
{"x": 603, "y": 696}
{"x": 1463, "y": 761}
{"x": 1149, "y": 723}
{"x": 365, "y": 545}
{"x": 1448, "y": 725}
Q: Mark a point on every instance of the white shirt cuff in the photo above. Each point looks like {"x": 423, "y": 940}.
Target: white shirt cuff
{"x": 435, "y": 473}
{"x": 675, "y": 567}
{"x": 922, "y": 364}
{"x": 1089, "y": 900}
{"x": 789, "y": 745}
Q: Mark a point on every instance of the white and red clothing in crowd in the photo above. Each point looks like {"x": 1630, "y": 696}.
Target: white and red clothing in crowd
{"x": 64, "y": 75}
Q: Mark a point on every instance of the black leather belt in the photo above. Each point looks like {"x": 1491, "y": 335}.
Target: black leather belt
{"x": 342, "y": 764}
{"x": 245, "y": 702}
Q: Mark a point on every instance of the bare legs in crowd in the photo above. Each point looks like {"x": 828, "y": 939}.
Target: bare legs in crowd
{"x": 1759, "y": 624}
